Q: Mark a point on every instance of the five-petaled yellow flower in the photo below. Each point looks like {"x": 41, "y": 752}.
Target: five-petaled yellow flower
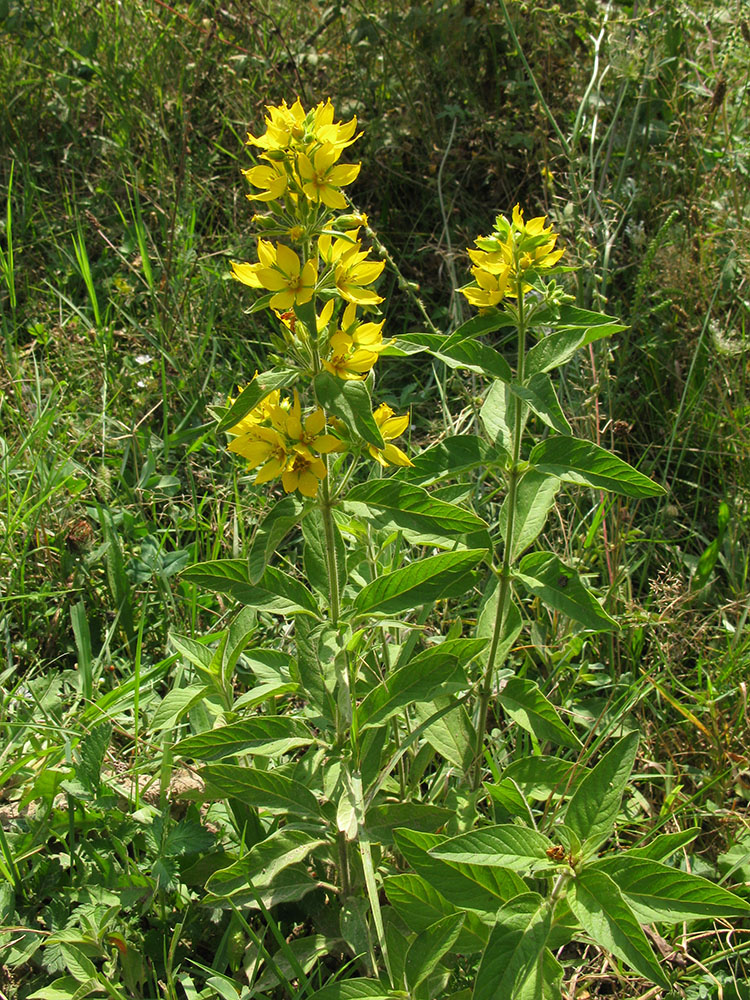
{"x": 390, "y": 427}
{"x": 282, "y": 272}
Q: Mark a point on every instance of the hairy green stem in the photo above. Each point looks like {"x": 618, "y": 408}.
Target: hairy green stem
{"x": 504, "y": 586}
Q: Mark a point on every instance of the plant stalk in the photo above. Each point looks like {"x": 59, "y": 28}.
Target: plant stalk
{"x": 503, "y": 597}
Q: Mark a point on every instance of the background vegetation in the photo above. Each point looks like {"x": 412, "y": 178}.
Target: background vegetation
{"x": 121, "y": 202}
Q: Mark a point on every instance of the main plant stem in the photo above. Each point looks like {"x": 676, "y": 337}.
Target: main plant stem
{"x": 504, "y": 586}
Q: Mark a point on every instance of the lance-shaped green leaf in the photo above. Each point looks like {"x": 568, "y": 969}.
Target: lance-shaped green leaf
{"x": 263, "y": 736}
{"x": 559, "y": 587}
{"x": 452, "y": 735}
{"x": 524, "y": 702}
{"x": 286, "y": 514}
{"x": 419, "y": 904}
{"x": 263, "y": 789}
{"x": 460, "y": 453}
{"x": 601, "y": 910}
{"x": 260, "y": 387}
{"x": 657, "y": 892}
{"x": 519, "y": 848}
{"x": 431, "y": 579}
{"x": 433, "y": 672}
{"x": 535, "y": 498}
{"x": 457, "y": 352}
{"x": 664, "y": 845}
{"x": 584, "y": 327}
{"x": 515, "y": 946}
{"x": 177, "y": 703}
{"x": 540, "y": 395}
{"x": 261, "y": 865}
{"x": 486, "y": 623}
{"x": 593, "y": 807}
{"x": 476, "y": 357}
{"x": 585, "y": 463}
{"x": 498, "y": 415}
{"x": 350, "y": 401}
{"x": 544, "y": 981}
{"x": 476, "y": 887}
{"x": 239, "y": 634}
{"x": 404, "y": 506}
{"x": 479, "y": 325}
{"x": 277, "y": 591}
{"x": 540, "y": 777}
{"x": 429, "y": 946}
{"x": 355, "y": 989}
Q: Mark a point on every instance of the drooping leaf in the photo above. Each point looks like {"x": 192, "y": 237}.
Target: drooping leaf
{"x": 560, "y": 588}
{"x": 350, "y": 401}
{"x": 517, "y": 941}
{"x": 285, "y": 514}
{"x": 540, "y": 395}
{"x": 431, "y": 579}
{"x": 383, "y": 819}
{"x": 177, "y": 703}
{"x": 498, "y": 415}
{"x": 429, "y": 946}
{"x": 593, "y": 807}
{"x": 419, "y": 904}
{"x": 585, "y": 463}
{"x": 657, "y": 892}
{"x": 540, "y": 777}
{"x": 277, "y": 592}
{"x": 395, "y": 505}
{"x": 260, "y": 387}
{"x": 433, "y": 672}
{"x": 535, "y": 498}
{"x": 460, "y": 453}
{"x": 263, "y": 736}
{"x": 522, "y": 699}
{"x": 263, "y": 789}
{"x": 601, "y": 910}
{"x": 258, "y": 869}
{"x": 452, "y": 735}
{"x": 476, "y": 887}
{"x": 519, "y": 848}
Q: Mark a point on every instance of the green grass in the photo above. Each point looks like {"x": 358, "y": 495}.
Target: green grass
{"x": 121, "y": 203}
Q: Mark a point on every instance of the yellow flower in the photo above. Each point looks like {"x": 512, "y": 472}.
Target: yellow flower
{"x": 353, "y": 272}
{"x": 247, "y": 274}
{"x": 272, "y": 177}
{"x": 348, "y": 361}
{"x": 507, "y": 260}
{"x": 281, "y": 124}
{"x": 489, "y": 289}
{"x": 321, "y": 176}
{"x": 366, "y": 335}
{"x": 294, "y": 129}
{"x": 262, "y": 446}
{"x": 390, "y": 427}
{"x": 282, "y": 272}
{"x": 303, "y": 472}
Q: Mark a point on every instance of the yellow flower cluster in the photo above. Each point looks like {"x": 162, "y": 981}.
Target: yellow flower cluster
{"x": 506, "y": 261}
{"x": 301, "y": 152}
{"x": 274, "y": 437}
{"x": 300, "y": 180}
{"x": 344, "y": 267}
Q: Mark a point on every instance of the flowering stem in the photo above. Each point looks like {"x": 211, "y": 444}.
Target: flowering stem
{"x": 504, "y": 586}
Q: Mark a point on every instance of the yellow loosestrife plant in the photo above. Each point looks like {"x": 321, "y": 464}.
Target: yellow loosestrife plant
{"x": 358, "y": 778}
